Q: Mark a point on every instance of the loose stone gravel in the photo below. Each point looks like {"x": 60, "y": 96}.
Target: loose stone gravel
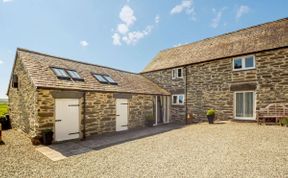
{"x": 202, "y": 150}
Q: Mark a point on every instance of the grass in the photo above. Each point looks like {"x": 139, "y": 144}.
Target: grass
{"x": 3, "y": 109}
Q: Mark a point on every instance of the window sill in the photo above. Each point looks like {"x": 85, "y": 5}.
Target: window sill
{"x": 237, "y": 70}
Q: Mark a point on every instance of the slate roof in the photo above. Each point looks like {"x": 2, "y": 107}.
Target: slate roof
{"x": 253, "y": 39}
{"x": 38, "y": 68}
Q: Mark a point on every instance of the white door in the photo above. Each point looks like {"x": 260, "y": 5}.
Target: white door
{"x": 67, "y": 119}
{"x": 121, "y": 114}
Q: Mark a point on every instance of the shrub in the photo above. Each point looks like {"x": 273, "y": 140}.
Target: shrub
{"x": 211, "y": 112}
{"x": 284, "y": 121}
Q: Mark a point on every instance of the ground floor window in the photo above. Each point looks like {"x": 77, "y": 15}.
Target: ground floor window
{"x": 177, "y": 99}
{"x": 244, "y": 105}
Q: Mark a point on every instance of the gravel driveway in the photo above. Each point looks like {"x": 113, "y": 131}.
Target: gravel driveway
{"x": 202, "y": 150}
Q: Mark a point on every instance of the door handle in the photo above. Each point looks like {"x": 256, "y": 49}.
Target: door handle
{"x": 117, "y": 115}
{"x": 124, "y": 125}
{"x": 58, "y": 120}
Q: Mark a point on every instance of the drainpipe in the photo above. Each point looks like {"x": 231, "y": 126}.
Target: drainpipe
{"x": 84, "y": 116}
{"x": 186, "y": 107}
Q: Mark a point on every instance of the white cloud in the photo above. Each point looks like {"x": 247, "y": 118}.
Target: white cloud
{"x": 243, "y": 9}
{"x": 135, "y": 36}
{"x": 84, "y": 43}
{"x": 217, "y": 18}
{"x": 5, "y": 1}
{"x": 116, "y": 39}
{"x": 124, "y": 34}
{"x": 1, "y": 62}
{"x": 127, "y": 15}
{"x": 157, "y": 19}
{"x": 185, "y": 6}
{"x": 122, "y": 28}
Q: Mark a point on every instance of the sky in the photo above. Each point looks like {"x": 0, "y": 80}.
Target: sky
{"x": 124, "y": 34}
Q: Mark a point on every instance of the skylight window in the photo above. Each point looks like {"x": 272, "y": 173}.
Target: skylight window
{"x": 100, "y": 78}
{"x": 110, "y": 80}
{"x": 103, "y": 78}
{"x": 74, "y": 75}
{"x": 60, "y": 73}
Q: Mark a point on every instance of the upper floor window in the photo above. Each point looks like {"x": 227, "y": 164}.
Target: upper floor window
{"x": 66, "y": 74}
{"x": 14, "y": 81}
{"x": 244, "y": 63}
{"x": 60, "y": 73}
{"x": 74, "y": 75}
{"x": 102, "y": 78}
{"x": 177, "y": 73}
{"x": 178, "y": 99}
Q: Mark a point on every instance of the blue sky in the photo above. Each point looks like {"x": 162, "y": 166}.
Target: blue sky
{"x": 122, "y": 34}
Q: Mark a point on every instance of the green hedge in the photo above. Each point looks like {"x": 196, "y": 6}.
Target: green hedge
{"x": 3, "y": 109}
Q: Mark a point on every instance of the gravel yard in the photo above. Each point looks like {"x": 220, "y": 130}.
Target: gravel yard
{"x": 202, "y": 150}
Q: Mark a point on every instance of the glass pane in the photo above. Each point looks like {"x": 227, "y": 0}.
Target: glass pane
{"x": 249, "y": 62}
{"x": 181, "y": 99}
{"x": 74, "y": 74}
{"x": 173, "y": 73}
{"x": 249, "y": 104}
{"x": 179, "y": 72}
{"x": 109, "y": 79}
{"x": 100, "y": 78}
{"x": 238, "y": 63}
{"x": 239, "y": 105}
{"x": 60, "y": 72}
{"x": 174, "y": 99}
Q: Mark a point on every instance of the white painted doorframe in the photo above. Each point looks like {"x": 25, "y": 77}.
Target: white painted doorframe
{"x": 67, "y": 119}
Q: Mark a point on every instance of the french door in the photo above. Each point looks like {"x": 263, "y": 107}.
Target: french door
{"x": 245, "y": 105}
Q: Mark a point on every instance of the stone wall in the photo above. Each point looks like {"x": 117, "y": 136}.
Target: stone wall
{"x": 212, "y": 84}
{"x": 272, "y": 77}
{"x": 100, "y": 111}
{"x": 175, "y": 86}
{"x": 22, "y": 101}
{"x": 139, "y": 107}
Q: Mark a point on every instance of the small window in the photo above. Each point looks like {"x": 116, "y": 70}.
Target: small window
{"x": 15, "y": 81}
{"x": 74, "y": 75}
{"x": 60, "y": 73}
{"x": 244, "y": 63}
{"x": 178, "y": 99}
{"x": 177, "y": 73}
{"x": 173, "y": 73}
{"x": 100, "y": 78}
{"x": 109, "y": 79}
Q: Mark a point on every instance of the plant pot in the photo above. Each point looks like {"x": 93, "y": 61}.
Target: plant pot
{"x": 149, "y": 123}
{"x": 211, "y": 119}
{"x": 47, "y": 137}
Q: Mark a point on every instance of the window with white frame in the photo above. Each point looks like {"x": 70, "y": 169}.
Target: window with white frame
{"x": 244, "y": 105}
{"x": 177, "y": 73}
{"x": 244, "y": 63}
{"x": 178, "y": 99}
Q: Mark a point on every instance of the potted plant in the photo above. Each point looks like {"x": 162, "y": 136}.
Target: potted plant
{"x": 150, "y": 120}
{"x": 211, "y": 115}
{"x": 47, "y": 136}
{"x": 284, "y": 122}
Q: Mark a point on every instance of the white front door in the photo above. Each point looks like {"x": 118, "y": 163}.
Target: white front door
{"x": 66, "y": 119}
{"x": 121, "y": 114}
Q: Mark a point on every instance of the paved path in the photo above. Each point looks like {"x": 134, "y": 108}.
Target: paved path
{"x": 63, "y": 150}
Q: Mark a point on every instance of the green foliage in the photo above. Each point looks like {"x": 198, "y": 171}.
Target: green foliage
{"x": 211, "y": 112}
{"x": 149, "y": 117}
{"x": 3, "y": 109}
{"x": 284, "y": 122}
